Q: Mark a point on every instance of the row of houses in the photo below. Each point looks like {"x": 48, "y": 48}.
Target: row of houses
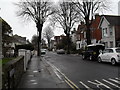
{"x": 9, "y": 41}
{"x": 104, "y": 29}
{"x": 16, "y": 40}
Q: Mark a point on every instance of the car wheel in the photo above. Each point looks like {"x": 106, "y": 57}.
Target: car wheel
{"x": 99, "y": 59}
{"x": 113, "y": 61}
{"x": 83, "y": 57}
{"x": 90, "y": 58}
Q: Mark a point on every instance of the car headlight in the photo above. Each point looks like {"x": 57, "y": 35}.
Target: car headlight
{"x": 94, "y": 53}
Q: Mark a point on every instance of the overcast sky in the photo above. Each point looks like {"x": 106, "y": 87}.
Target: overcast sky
{"x": 28, "y": 29}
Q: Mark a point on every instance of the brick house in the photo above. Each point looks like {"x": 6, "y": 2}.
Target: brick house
{"x": 81, "y": 36}
{"x": 96, "y": 33}
{"x": 58, "y": 40}
{"x": 110, "y": 26}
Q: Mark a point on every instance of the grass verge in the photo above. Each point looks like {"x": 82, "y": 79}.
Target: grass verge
{"x": 5, "y": 60}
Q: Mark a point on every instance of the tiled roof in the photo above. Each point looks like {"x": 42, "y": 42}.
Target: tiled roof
{"x": 113, "y": 20}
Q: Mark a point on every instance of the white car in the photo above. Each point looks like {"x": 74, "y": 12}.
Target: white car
{"x": 110, "y": 55}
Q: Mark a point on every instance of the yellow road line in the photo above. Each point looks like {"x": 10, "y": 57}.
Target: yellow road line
{"x": 70, "y": 85}
{"x": 67, "y": 80}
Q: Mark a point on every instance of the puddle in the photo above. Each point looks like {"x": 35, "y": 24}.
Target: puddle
{"x": 32, "y": 80}
{"x": 31, "y": 75}
{"x": 34, "y": 83}
{"x": 35, "y": 71}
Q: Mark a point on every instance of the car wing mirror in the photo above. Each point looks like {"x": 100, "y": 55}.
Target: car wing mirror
{"x": 100, "y": 51}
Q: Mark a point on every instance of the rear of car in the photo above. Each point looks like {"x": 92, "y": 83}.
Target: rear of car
{"x": 61, "y": 51}
{"x": 43, "y": 51}
{"x": 92, "y": 51}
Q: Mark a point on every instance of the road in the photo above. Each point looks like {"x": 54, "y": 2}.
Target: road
{"x": 85, "y": 73}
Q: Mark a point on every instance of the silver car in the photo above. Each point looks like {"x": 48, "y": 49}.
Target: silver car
{"x": 110, "y": 55}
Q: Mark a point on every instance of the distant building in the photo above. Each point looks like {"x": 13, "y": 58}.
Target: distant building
{"x": 73, "y": 36}
{"x": 52, "y": 44}
{"x": 19, "y": 40}
{"x": 119, "y": 8}
{"x": 58, "y": 40}
{"x": 110, "y": 26}
{"x": 81, "y": 36}
{"x": 6, "y": 38}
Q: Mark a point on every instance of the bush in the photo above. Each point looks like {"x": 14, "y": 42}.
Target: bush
{"x": 25, "y": 46}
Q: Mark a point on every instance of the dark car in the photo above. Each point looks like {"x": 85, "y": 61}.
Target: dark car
{"x": 61, "y": 51}
{"x": 43, "y": 51}
{"x": 92, "y": 51}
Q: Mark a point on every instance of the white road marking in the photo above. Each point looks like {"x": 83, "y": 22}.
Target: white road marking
{"x": 117, "y": 78}
{"x": 85, "y": 85}
{"x": 98, "y": 84}
{"x": 103, "y": 84}
{"x": 116, "y": 81}
{"x": 111, "y": 83}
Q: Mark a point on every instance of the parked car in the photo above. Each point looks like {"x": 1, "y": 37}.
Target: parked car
{"x": 61, "y": 51}
{"x": 43, "y": 51}
{"x": 110, "y": 55}
{"x": 92, "y": 51}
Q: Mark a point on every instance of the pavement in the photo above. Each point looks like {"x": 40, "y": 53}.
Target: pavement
{"x": 40, "y": 75}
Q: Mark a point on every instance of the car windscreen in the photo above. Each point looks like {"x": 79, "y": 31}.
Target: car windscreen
{"x": 96, "y": 48}
{"x": 118, "y": 50}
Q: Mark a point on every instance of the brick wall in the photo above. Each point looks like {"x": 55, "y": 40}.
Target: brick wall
{"x": 12, "y": 72}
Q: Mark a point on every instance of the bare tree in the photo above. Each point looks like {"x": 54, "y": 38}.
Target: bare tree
{"x": 87, "y": 9}
{"x": 38, "y": 11}
{"x": 66, "y": 16}
{"x": 48, "y": 34}
{"x": 34, "y": 41}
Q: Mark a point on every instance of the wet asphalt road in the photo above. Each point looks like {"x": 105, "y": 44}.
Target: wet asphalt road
{"x": 85, "y": 73}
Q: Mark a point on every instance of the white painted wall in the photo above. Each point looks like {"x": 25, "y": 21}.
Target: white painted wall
{"x": 73, "y": 38}
{"x": 27, "y": 56}
{"x": 108, "y": 38}
{"x": 80, "y": 44}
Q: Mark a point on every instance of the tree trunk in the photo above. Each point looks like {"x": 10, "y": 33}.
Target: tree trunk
{"x": 39, "y": 28}
{"x": 49, "y": 44}
{"x": 88, "y": 34}
{"x": 68, "y": 43}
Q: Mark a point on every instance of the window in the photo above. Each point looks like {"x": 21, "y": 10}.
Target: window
{"x": 84, "y": 34}
{"x": 111, "y": 44}
{"x": 110, "y": 51}
{"x": 106, "y": 51}
{"x": 111, "y": 32}
{"x": 106, "y": 44}
{"x": 104, "y": 32}
{"x": 118, "y": 50}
